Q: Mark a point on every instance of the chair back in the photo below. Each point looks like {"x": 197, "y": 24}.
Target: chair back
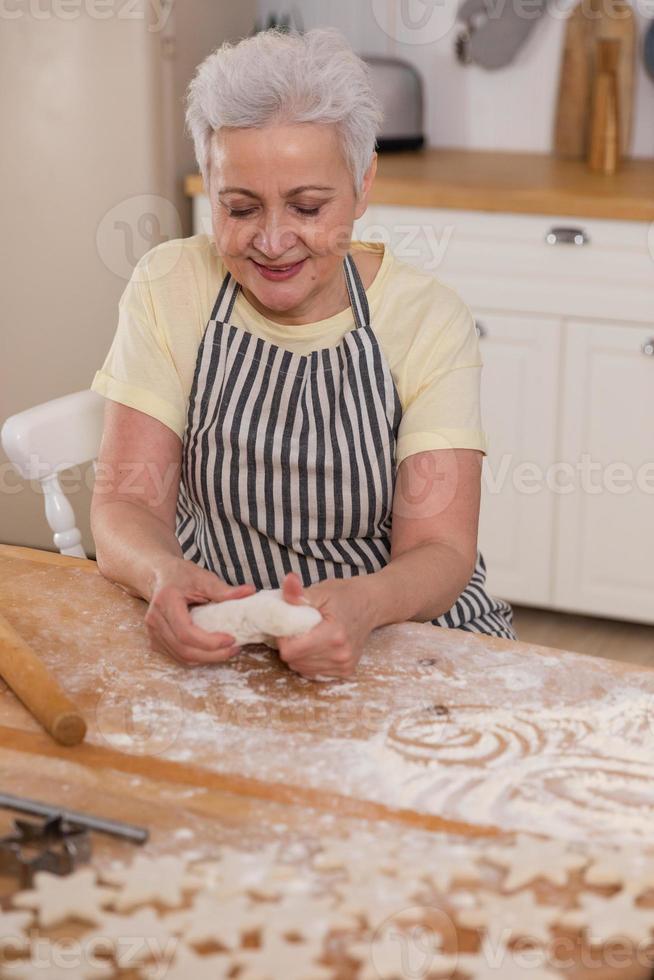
{"x": 48, "y": 438}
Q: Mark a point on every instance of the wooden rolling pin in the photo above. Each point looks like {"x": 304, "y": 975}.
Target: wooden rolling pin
{"x": 29, "y": 679}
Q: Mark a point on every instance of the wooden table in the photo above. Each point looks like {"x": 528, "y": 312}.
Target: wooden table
{"x": 463, "y": 737}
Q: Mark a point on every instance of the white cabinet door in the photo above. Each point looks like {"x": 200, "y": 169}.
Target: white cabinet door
{"x": 519, "y": 411}
{"x": 605, "y": 562}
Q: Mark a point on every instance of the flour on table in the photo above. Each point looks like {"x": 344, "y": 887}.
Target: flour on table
{"x": 56, "y": 899}
{"x": 259, "y": 618}
{"x": 570, "y": 771}
{"x": 338, "y": 855}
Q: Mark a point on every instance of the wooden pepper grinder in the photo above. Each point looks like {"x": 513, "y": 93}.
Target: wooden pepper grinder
{"x": 604, "y": 143}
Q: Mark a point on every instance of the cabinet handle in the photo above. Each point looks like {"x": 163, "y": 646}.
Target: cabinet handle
{"x": 482, "y": 331}
{"x": 562, "y": 235}
{"x": 648, "y": 347}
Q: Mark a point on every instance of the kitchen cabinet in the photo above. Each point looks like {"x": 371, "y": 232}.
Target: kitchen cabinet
{"x": 606, "y": 523}
{"x": 521, "y": 356}
{"x": 504, "y": 261}
{"x": 565, "y": 310}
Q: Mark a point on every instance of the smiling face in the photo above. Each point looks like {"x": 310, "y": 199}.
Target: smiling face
{"x": 283, "y": 206}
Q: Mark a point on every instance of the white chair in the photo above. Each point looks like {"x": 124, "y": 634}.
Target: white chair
{"x": 42, "y": 441}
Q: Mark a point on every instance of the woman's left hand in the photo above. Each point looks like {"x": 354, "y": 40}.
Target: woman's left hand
{"x": 332, "y": 648}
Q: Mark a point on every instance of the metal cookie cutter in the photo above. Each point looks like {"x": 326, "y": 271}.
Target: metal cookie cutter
{"x": 54, "y": 844}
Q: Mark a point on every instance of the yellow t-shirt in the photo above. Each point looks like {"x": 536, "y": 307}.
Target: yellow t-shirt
{"x": 424, "y": 330}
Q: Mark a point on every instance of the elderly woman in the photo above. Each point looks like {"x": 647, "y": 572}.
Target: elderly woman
{"x": 289, "y": 408}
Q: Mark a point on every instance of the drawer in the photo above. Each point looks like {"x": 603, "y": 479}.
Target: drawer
{"x": 521, "y": 262}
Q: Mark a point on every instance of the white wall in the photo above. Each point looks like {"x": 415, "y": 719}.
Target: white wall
{"x": 92, "y": 114}
{"x": 510, "y": 109}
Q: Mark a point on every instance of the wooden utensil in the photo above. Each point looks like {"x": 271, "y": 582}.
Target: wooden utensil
{"x": 604, "y": 149}
{"x": 590, "y": 22}
{"x": 29, "y": 679}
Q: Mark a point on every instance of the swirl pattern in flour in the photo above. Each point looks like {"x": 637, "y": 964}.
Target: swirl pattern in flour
{"x": 615, "y": 787}
{"x": 573, "y": 796}
{"x": 574, "y": 771}
{"x": 476, "y": 735}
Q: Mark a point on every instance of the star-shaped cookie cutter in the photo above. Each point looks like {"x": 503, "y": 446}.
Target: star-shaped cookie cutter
{"x": 55, "y": 844}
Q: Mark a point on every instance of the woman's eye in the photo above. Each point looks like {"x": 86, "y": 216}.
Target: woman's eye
{"x": 244, "y": 213}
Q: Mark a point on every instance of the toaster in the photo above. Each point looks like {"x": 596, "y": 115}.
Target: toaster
{"x": 400, "y": 89}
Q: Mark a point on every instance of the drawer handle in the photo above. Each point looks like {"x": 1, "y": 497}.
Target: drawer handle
{"x": 562, "y": 235}
{"x": 482, "y": 331}
{"x": 648, "y": 347}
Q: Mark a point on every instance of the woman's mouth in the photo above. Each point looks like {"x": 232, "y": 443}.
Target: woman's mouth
{"x": 280, "y": 272}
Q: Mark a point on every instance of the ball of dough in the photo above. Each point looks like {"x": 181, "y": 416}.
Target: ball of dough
{"x": 258, "y": 618}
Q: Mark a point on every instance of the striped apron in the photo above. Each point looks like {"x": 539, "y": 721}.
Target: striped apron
{"x": 288, "y": 461}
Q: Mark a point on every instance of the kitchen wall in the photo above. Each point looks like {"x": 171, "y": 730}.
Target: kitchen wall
{"x": 91, "y": 171}
{"x": 510, "y": 109}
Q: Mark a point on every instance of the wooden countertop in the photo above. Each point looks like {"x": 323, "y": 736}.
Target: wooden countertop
{"x": 246, "y": 753}
{"x": 523, "y": 183}
{"x": 210, "y": 721}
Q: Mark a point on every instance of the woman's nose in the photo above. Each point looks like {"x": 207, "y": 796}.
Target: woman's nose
{"x": 274, "y": 236}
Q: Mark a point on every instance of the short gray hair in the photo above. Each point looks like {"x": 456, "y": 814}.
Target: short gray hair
{"x": 275, "y": 76}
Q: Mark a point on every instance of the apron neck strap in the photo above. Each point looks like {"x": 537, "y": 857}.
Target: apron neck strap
{"x": 228, "y": 292}
{"x": 357, "y": 293}
{"x": 225, "y": 300}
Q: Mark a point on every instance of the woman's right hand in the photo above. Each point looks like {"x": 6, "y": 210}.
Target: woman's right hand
{"x": 178, "y": 584}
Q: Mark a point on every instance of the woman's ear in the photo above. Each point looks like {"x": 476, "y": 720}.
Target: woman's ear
{"x": 368, "y": 178}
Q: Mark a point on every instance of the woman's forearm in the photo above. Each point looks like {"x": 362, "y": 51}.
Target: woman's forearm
{"x": 132, "y": 545}
{"x": 419, "y": 584}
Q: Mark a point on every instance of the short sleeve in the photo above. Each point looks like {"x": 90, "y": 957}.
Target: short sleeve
{"x": 443, "y": 411}
{"x": 139, "y": 370}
